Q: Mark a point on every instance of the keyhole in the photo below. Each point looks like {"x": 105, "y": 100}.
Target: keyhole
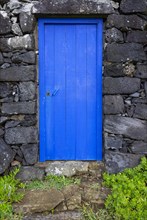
{"x": 48, "y": 94}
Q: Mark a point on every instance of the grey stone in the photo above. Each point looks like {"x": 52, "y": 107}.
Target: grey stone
{"x": 16, "y": 29}
{"x": 137, "y": 36}
{"x": 2, "y": 2}
{"x": 68, "y": 168}
{"x": 29, "y": 120}
{"x": 1, "y": 132}
{"x": 133, "y": 6}
{"x": 5, "y": 90}
{"x": 6, "y": 156}
{"x": 17, "y": 43}
{"x": 125, "y": 22}
{"x": 125, "y": 52}
{"x": 73, "y": 7}
{"x": 11, "y": 124}
{"x": 28, "y": 173}
{"x": 18, "y": 73}
{"x": 135, "y": 95}
{"x": 121, "y": 85}
{"x": 129, "y": 127}
{"x": 145, "y": 87}
{"x": 141, "y": 71}
{"x": 140, "y": 111}
{"x": 113, "y": 35}
{"x": 4, "y": 47}
{"x": 113, "y": 104}
{"x": 28, "y": 57}
{"x": 113, "y": 143}
{"x": 48, "y": 200}
{"x": 116, "y": 162}
{"x": 19, "y": 108}
{"x": 14, "y": 4}
{"x": 27, "y": 8}
{"x": 21, "y": 135}
{"x": 1, "y": 59}
{"x": 27, "y": 91}
{"x": 30, "y": 152}
{"x": 27, "y": 22}
{"x": 5, "y": 23}
{"x": 139, "y": 147}
{"x": 24, "y": 42}
{"x": 112, "y": 69}
{"x": 5, "y": 65}
{"x": 3, "y": 119}
{"x": 72, "y": 215}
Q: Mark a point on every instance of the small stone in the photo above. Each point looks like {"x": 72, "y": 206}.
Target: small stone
{"x": 69, "y": 168}
{"x": 121, "y": 85}
{"x": 132, "y": 128}
{"x": 5, "y": 23}
{"x": 117, "y": 162}
{"x": 141, "y": 71}
{"x": 113, "y": 104}
{"x": 21, "y": 135}
{"x": 1, "y": 59}
{"x": 48, "y": 200}
{"x": 111, "y": 69}
{"x": 3, "y": 119}
{"x": 13, "y": 4}
{"x": 27, "y": 22}
{"x": 141, "y": 111}
{"x": 113, "y": 143}
{"x": 15, "y": 163}
{"x": 135, "y": 95}
{"x": 14, "y": 20}
{"x": 145, "y": 87}
{"x": 11, "y": 124}
{"x": 16, "y": 29}
{"x": 1, "y": 132}
{"x": 18, "y": 73}
{"x": 125, "y": 22}
{"x": 5, "y": 89}
{"x": 137, "y": 36}
{"x": 27, "y": 91}
{"x": 30, "y": 153}
{"x": 139, "y": 147}
{"x": 125, "y": 52}
{"x": 6, "y": 156}
{"x": 28, "y": 57}
{"x": 128, "y": 102}
{"x": 113, "y": 35}
{"x": 19, "y": 108}
{"x": 5, "y": 65}
{"x": 133, "y": 6}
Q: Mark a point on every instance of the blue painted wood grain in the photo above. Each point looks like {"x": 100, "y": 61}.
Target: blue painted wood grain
{"x": 70, "y": 77}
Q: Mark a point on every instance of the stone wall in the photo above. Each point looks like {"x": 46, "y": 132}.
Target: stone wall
{"x": 124, "y": 78}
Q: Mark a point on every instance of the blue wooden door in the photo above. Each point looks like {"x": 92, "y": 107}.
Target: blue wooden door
{"x": 70, "y": 52}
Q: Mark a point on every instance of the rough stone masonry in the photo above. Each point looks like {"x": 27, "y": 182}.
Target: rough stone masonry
{"x": 124, "y": 78}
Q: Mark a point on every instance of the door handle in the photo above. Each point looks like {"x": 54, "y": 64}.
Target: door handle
{"x": 52, "y": 94}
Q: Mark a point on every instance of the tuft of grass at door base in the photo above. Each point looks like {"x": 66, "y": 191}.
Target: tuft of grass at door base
{"x": 52, "y": 181}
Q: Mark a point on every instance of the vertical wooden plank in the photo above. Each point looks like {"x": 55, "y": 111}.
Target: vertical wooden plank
{"x": 99, "y": 87}
{"x": 49, "y": 87}
{"x": 91, "y": 92}
{"x": 70, "y": 91}
{"x": 59, "y": 98}
{"x": 42, "y": 130}
{"x": 81, "y": 93}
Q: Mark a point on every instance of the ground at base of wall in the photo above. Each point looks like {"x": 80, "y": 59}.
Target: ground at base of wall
{"x": 66, "y": 203}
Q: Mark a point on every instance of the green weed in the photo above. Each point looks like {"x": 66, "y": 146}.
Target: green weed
{"x": 52, "y": 181}
{"x": 9, "y": 186}
{"x": 128, "y": 200}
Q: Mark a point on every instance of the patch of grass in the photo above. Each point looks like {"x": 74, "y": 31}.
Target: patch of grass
{"x": 89, "y": 214}
{"x": 52, "y": 181}
{"x": 9, "y": 186}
